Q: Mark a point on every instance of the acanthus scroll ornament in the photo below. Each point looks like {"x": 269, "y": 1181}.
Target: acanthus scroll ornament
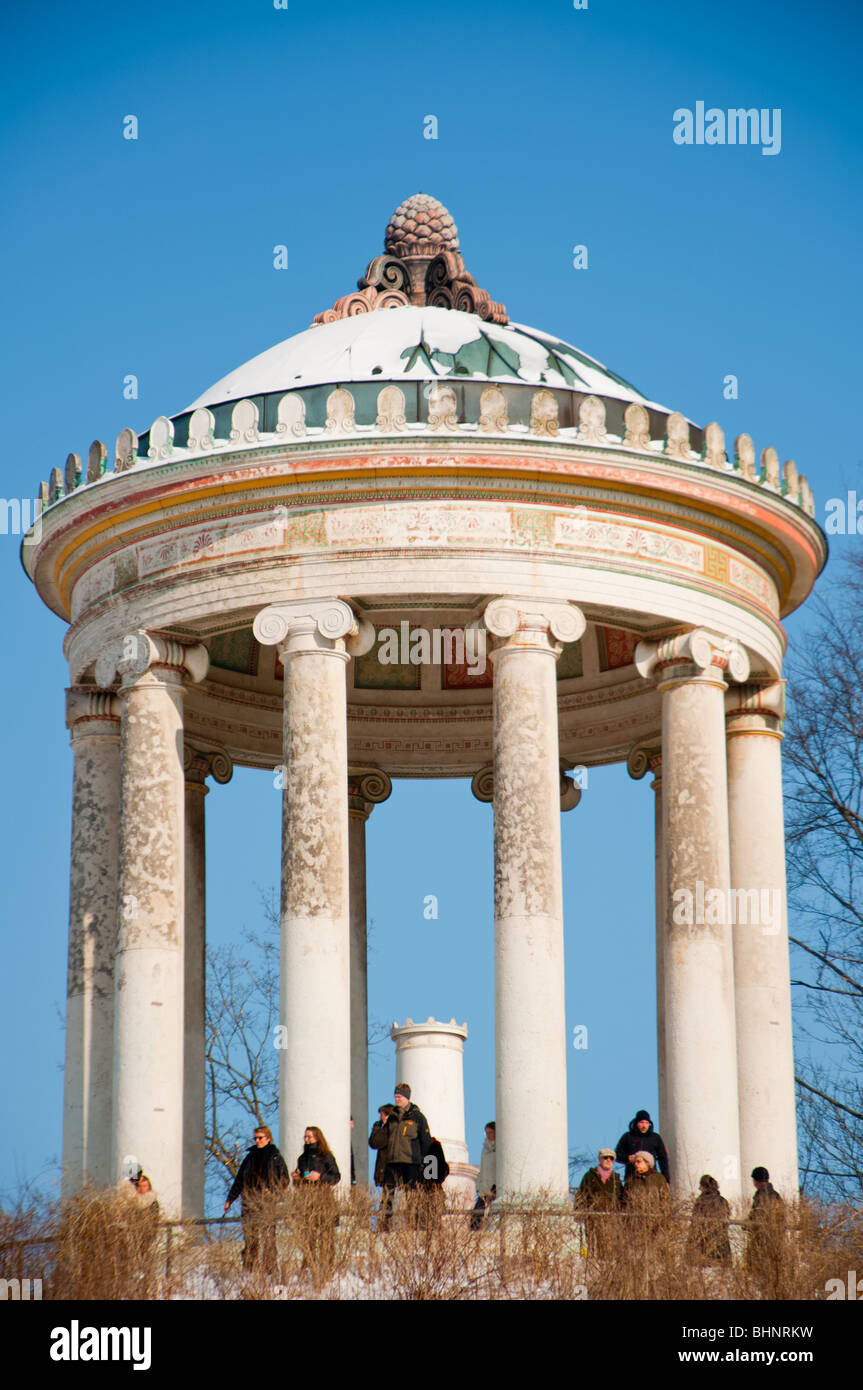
{"x": 340, "y": 412}
{"x": 591, "y": 421}
{"x": 492, "y": 411}
{"x": 292, "y": 416}
{"x": 443, "y": 407}
{"x": 637, "y": 423}
{"x": 677, "y": 436}
{"x": 391, "y": 409}
{"x": 544, "y": 414}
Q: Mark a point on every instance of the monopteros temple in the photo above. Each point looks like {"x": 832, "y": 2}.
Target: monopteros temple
{"x": 414, "y": 457}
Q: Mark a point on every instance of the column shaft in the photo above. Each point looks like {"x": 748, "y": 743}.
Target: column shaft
{"x": 148, "y": 1029}
{"x": 701, "y": 1105}
{"x": 94, "y": 722}
{"x": 359, "y": 995}
{"x": 765, "y": 1058}
{"x": 659, "y": 878}
{"x": 194, "y": 989}
{"x": 530, "y": 1019}
{"x": 315, "y": 1066}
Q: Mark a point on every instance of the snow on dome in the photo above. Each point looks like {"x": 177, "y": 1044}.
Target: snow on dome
{"x": 418, "y": 343}
{"x": 420, "y": 218}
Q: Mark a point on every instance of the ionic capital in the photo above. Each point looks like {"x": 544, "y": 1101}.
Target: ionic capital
{"x": 533, "y": 623}
{"x": 324, "y": 625}
{"x": 367, "y": 788}
{"x": 482, "y": 783}
{"x": 482, "y": 786}
{"x": 689, "y": 656}
{"x": 755, "y": 709}
{"x": 201, "y": 761}
{"x": 644, "y": 758}
{"x": 88, "y": 708}
{"x": 132, "y": 656}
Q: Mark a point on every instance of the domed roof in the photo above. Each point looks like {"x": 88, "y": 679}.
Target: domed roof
{"x": 418, "y": 343}
{"x": 420, "y": 219}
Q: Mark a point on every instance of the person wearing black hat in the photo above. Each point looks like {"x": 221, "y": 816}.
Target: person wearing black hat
{"x": 766, "y": 1244}
{"x": 405, "y": 1139}
{"x": 642, "y": 1137}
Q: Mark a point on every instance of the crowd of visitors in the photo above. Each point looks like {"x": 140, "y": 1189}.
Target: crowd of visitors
{"x": 409, "y": 1159}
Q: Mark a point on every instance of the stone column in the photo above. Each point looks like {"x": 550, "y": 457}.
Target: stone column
{"x": 530, "y": 1020}
{"x": 762, "y": 985}
{"x": 430, "y": 1058}
{"x": 641, "y": 760}
{"x": 315, "y": 1069}
{"x": 198, "y": 764}
{"x": 148, "y": 975}
{"x": 366, "y": 787}
{"x": 701, "y": 1119}
{"x": 93, "y": 719}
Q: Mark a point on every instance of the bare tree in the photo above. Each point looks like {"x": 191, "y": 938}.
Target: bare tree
{"x": 824, "y": 834}
{"x": 242, "y": 1052}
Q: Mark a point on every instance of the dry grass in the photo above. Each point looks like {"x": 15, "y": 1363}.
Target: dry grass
{"x": 311, "y": 1245}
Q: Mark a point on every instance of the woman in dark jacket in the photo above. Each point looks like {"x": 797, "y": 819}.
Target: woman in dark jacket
{"x": 316, "y": 1175}
{"x": 316, "y": 1163}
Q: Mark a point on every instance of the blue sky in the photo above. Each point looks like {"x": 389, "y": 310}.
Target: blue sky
{"x": 259, "y": 127}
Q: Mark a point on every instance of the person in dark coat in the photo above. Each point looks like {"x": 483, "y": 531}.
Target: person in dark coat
{"x": 600, "y": 1190}
{"x": 316, "y": 1175}
{"x": 435, "y": 1171}
{"x": 765, "y": 1247}
{"x": 645, "y": 1192}
{"x": 642, "y": 1137}
{"x": 262, "y": 1173}
{"x": 406, "y": 1140}
{"x": 708, "y": 1231}
{"x": 316, "y": 1163}
{"x": 379, "y": 1134}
